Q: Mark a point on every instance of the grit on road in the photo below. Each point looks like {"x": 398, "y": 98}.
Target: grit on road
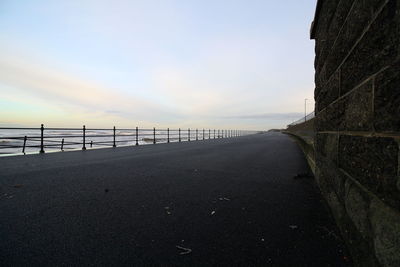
{"x": 222, "y": 202}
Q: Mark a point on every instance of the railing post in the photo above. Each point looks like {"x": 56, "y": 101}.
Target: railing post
{"x": 218, "y": 134}
{"x": 167, "y": 135}
{"x": 203, "y": 134}
{"x": 179, "y": 132}
{"x": 84, "y": 138}
{"x": 114, "y": 144}
{"x": 154, "y": 135}
{"x": 214, "y": 133}
{"x": 62, "y": 144}
{"x": 197, "y": 132}
{"x": 189, "y": 134}
{"x": 209, "y": 134}
{"x": 41, "y": 139}
{"x": 137, "y": 136}
{"x": 23, "y": 148}
{"x": 91, "y": 143}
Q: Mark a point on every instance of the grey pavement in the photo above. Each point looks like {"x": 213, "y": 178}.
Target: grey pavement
{"x": 223, "y": 202}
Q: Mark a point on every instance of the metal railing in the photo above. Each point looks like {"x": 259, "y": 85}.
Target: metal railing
{"x": 304, "y": 119}
{"x": 39, "y": 140}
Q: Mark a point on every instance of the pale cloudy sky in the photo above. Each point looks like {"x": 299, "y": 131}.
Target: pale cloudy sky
{"x": 244, "y": 64}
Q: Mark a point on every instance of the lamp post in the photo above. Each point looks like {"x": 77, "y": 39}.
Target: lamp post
{"x": 305, "y": 109}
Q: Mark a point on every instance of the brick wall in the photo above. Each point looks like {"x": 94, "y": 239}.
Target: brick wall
{"x": 357, "y": 124}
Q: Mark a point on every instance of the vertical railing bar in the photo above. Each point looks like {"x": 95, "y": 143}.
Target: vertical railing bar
{"x": 41, "y": 139}
{"x": 62, "y": 144}
{"x": 154, "y": 135}
{"x": 137, "y": 136}
{"x": 179, "y": 134}
{"x": 23, "y": 149}
{"x": 203, "y": 133}
{"x": 114, "y": 144}
{"x": 168, "y": 135}
{"x": 197, "y": 133}
{"x": 91, "y": 143}
{"x": 189, "y": 134}
{"x": 84, "y": 138}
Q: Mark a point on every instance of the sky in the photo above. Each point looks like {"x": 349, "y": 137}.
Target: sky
{"x": 233, "y": 64}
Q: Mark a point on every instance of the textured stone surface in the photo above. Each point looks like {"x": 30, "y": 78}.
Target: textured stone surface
{"x": 378, "y": 48}
{"x": 322, "y": 47}
{"x": 357, "y": 124}
{"x": 358, "y": 109}
{"x": 357, "y": 206}
{"x": 327, "y": 145}
{"x": 373, "y": 161}
{"x": 328, "y": 93}
{"x": 359, "y": 17}
{"x": 387, "y": 100}
{"x": 386, "y": 229}
{"x": 330, "y": 118}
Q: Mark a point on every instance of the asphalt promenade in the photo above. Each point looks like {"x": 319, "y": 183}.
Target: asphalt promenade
{"x": 223, "y": 202}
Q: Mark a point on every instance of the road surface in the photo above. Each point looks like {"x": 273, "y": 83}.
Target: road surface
{"x": 224, "y": 202}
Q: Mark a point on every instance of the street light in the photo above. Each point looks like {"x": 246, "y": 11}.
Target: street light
{"x": 305, "y": 109}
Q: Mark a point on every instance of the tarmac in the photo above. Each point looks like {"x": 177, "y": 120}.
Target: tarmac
{"x": 243, "y": 201}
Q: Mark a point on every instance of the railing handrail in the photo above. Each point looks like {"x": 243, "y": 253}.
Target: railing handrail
{"x": 308, "y": 117}
{"x": 85, "y": 137}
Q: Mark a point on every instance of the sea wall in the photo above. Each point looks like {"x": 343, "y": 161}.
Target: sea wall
{"x": 357, "y": 123}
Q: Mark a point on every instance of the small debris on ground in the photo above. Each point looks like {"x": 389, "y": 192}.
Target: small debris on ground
{"x": 185, "y": 250}
{"x": 167, "y": 210}
{"x": 213, "y": 212}
{"x": 293, "y": 227}
{"x": 18, "y": 185}
{"x": 106, "y": 190}
{"x": 262, "y": 239}
{"x": 224, "y": 199}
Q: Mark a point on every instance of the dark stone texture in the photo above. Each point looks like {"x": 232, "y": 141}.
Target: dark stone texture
{"x": 330, "y": 118}
{"x": 338, "y": 20}
{"x": 322, "y": 48}
{"x": 357, "y": 108}
{"x": 328, "y": 93}
{"x": 378, "y": 48}
{"x": 326, "y": 144}
{"x": 360, "y": 16}
{"x": 387, "y": 100}
{"x": 331, "y": 34}
{"x": 331, "y": 179}
{"x": 357, "y": 124}
{"x": 359, "y": 246}
{"x": 357, "y": 204}
{"x": 385, "y": 223}
{"x": 373, "y": 161}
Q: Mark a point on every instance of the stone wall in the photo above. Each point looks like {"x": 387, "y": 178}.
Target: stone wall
{"x": 357, "y": 124}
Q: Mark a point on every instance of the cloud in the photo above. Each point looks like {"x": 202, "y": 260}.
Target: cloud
{"x": 268, "y": 116}
{"x": 36, "y": 83}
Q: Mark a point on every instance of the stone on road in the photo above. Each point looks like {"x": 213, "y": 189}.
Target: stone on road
{"x": 223, "y": 202}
